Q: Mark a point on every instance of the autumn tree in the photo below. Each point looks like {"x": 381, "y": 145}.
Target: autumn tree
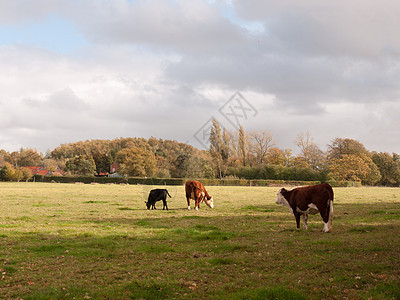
{"x": 28, "y": 157}
{"x": 349, "y": 160}
{"x": 276, "y": 156}
{"x": 7, "y": 172}
{"x": 310, "y": 154}
{"x": 26, "y": 174}
{"x": 10, "y": 173}
{"x": 262, "y": 142}
{"x": 134, "y": 161}
{"x": 50, "y": 164}
{"x": 349, "y": 167}
{"x": 3, "y": 155}
{"x": 339, "y": 147}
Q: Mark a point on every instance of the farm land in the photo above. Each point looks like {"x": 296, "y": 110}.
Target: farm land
{"x": 75, "y": 241}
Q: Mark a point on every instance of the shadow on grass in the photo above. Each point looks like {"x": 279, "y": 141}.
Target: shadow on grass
{"x": 150, "y": 257}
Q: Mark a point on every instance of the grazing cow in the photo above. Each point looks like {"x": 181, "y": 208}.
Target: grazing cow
{"x": 195, "y": 190}
{"x": 309, "y": 200}
{"x": 157, "y": 195}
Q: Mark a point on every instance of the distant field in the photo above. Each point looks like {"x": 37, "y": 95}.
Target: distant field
{"x": 68, "y": 241}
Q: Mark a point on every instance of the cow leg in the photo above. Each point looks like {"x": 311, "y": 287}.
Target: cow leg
{"x": 188, "y": 202}
{"x": 197, "y": 204}
{"x": 305, "y": 218}
{"x": 297, "y": 216}
{"x": 324, "y": 212}
{"x": 165, "y": 204}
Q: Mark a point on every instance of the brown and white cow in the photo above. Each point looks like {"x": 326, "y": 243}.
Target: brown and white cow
{"x": 306, "y": 200}
{"x": 195, "y": 190}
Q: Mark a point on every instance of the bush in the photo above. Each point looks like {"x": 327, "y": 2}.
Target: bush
{"x": 170, "y": 181}
{"x": 276, "y": 172}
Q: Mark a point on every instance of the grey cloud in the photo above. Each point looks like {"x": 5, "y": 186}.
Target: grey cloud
{"x": 349, "y": 28}
{"x": 164, "y": 67}
{"x": 193, "y": 26}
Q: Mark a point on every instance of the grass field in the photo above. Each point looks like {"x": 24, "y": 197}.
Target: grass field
{"x": 70, "y": 241}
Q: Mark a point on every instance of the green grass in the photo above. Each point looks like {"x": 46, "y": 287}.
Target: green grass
{"x": 66, "y": 241}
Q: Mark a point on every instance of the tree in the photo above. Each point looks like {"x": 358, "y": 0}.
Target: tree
{"x": 374, "y": 175}
{"x": 310, "y": 153}
{"x": 276, "y": 156}
{"x": 26, "y": 174}
{"x": 6, "y": 172}
{"x": 349, "y": 159}
{"x": 81, "y": 165}
{"x": 219, "y": 150}
{"x": 242, "y": 146}
{"x": 50, "y": 164}
{"x": 190, "y": 166}
{"x": 136, "y": 161}
{"x": 263, "y": 141}
{"x": 340, "y": 147}
{"x": 349, "y": 167}
{"x": 103, "y": 161}
{"x": 389, "y": 168}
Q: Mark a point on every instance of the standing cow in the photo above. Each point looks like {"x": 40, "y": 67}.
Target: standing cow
{"x": 157, "y": 195}
{"x": 195, "y": 190}
{"x": 309, "y": 200}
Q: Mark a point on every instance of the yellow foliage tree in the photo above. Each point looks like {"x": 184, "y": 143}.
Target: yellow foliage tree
{"x": 349, "y": 167}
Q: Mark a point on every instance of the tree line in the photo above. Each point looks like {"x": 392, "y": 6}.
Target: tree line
{"x": 232, "y": 154}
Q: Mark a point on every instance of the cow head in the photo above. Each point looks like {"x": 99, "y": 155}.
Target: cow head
{"x": 147, "y": 204}
{"x": 280, "y": 199}
{"x": 209, "y": 202}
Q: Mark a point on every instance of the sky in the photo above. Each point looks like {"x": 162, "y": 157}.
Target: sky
{"x": 74, "y": 70}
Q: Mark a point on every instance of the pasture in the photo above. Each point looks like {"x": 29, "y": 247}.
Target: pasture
{"x": 70, "y": 241}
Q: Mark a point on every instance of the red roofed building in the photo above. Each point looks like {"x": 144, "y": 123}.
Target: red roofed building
{"x": 39, "y": 170}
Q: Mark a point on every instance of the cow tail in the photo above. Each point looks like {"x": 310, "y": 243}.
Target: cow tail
{"x": 330, "y": 212}
{"x": 168, "y": 194}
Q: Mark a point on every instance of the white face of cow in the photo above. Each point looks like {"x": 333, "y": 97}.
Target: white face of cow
{"x": 209, "y": 203}
{"x": 281, "y": 200}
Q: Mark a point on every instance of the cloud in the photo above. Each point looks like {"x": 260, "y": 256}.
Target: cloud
{"x": 351, "y": 28}
{"x": 163, "y": 68}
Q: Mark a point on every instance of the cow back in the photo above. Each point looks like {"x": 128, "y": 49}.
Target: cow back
{"x": 303, "y": 196}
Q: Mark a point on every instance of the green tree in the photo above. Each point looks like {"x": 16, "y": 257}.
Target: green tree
{"x": 389, "y": 168}
{"x": 81, "y": 165}
{"x": 374, "y": 175}
{"x": 219, "y": 148}
{"x": 7, "y": 172}
{"x": 103, "y": 161}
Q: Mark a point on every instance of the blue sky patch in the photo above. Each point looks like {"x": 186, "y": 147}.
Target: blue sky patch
{"x": 53, "y": 33}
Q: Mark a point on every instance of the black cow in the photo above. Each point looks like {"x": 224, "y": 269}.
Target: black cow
{"x": 157, "y": 195}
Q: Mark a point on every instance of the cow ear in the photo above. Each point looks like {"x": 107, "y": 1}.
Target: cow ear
{"x": 283, "y": 191}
